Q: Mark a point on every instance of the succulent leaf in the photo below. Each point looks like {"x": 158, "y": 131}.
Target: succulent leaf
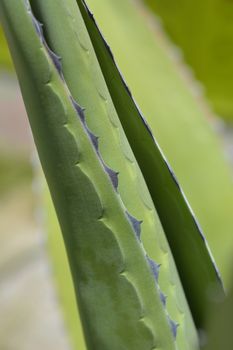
{"x": 73, "y": 47}
{"x": 108, "y": 179}
{"x": 177, "y": 114}
{"x": 189, "y": 247}
{"x": 118, "y": 299}
{"x": 62, "y": 276}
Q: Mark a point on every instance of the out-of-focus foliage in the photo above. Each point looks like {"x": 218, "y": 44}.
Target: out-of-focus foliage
{"x": 220, "y": 321}
{"x": 204, "y": 31}
{"x": 13, "y": 170}
{"x": 177, "y": 118}
{"x": 5, "y": 59}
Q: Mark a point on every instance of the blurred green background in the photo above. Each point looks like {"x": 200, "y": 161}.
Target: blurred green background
{"x": 198, "y": 144}
{"x": 203, "y": 29}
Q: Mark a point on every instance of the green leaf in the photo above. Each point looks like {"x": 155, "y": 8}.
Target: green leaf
{"x": 62, "y": 275}
{"x": 78, "y": 57}
{"x": 118, "y": 297}
{"x": 188, "y": 245}
{"x": 180, "y": 121}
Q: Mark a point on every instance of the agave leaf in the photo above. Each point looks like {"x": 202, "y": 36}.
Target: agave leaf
{"x": 178, "y": 119}
{"x": 187, "y": 242}
{"x": 118, "y": 298}
{"x": 204, "y": 31}
{"x": 62, "y": 275}
{"x": 76, "y": 51}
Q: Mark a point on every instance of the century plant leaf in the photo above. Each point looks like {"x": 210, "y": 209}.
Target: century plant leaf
{"x": 180, "y": 120}
{"x": 84, "y": 78}
{"x": 204, "y": 31}
{"x": 189, "y": 247}
{"x": 119, "y": 300}
{"x": 133, "y": 193}
{"x": 62, "y": 275}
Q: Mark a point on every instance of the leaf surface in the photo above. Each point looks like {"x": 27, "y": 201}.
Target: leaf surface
{"x": 117, "y": 293}
{"x": 189, "y": 247}
{"x": 84, "y": 78}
